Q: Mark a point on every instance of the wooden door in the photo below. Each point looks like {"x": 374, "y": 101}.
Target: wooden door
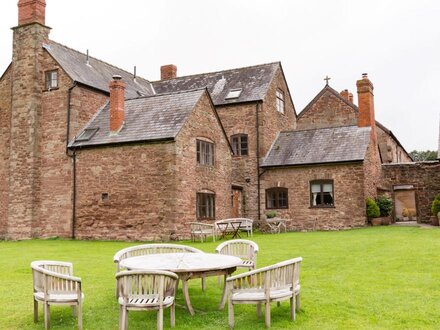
{"x": 237, "y": 203}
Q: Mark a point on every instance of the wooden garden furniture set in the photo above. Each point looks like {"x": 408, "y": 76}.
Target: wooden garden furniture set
{"x": 148, "y": 275}
{"x": 221, "y": 228}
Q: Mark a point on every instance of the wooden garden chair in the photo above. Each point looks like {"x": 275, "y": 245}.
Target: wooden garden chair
{"x": 140, "y": 250}
{"x": 244, "y": 249}
{"x": 278, "y": 282}
{"x": 54, "y": 284}
{"x": 146, "y": 290}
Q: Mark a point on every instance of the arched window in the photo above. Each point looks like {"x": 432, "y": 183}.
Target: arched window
{"x": 277, "y": 198}
{"x": 239, "y": 144}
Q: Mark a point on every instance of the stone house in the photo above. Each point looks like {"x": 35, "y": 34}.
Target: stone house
{"x": 89, "y": 150}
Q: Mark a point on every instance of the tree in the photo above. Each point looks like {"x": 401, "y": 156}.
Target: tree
{"x": 419, "y": 156}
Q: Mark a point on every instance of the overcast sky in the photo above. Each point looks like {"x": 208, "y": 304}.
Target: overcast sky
{"x": 396, "y": 42}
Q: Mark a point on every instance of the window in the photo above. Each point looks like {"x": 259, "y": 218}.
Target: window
{"x": 276, "y": 198}
{"x": 87, "y": 134}
{"x": 233, "y": 94}
{"x": 205, "y": 153}
{"x": 280, "y": 101}
{"x": 51, "y": 80}
{"x": 321, "y": 194}
{"x": 240, "y": 144}
{"x": 205, "y": 206}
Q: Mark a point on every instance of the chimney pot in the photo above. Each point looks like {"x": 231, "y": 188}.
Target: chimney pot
{"x": 168, "y": 72}
{"x": 345, "y": 94}
{"x": 117, "y": 103}
{"x": 365, "y": 76}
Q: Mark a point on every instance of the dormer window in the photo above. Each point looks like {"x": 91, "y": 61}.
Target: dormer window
{"x": 51, "y": 80}
{"x": 233, "y": 94}
{"x": 280, "y": 101}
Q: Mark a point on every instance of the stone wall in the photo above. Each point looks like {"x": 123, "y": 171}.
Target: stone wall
{"x": 349, "y": 197}
{"x": 424, "y": 176}
{"x": 126, "y": 192}
{"x": 5, "y": 130}
{"x": 328, "y": 110}
{"x": 192, "y": 177}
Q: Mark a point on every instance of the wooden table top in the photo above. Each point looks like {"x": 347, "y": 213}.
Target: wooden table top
{"x": 182, "y": 262}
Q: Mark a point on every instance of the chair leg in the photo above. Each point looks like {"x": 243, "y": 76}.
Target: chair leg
{"x": 46, "y": 316}
{"x": 259, "y": 310}
{"x": 160, "y": 319}
{"x": 74, "y": 311}
{"x": 203, "y": 284}
{"x": 124, "y": 318}
{"x": 267, "y": 315}
{"x": 298, "y": 302}
{"x": 173, "y": 315}
{"x": 120, "y": 317}
{"x": 80, "y": 316}
{"x": 35, "y": 311}
{"x": 230, "y": 314}
{"x": 292, "y": 308}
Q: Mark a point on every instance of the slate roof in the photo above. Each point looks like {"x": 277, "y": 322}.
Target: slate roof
{"x": 253, "y": 80}
{"x": 318, "y": 146}
{"x": 97, "y": 74}
{"x": 152, "y": 118}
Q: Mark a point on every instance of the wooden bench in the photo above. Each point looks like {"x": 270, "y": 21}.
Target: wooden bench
{"x": 265, "y": 285}
{"x": 54, "y": 284}
{"x": 202, "y": 230}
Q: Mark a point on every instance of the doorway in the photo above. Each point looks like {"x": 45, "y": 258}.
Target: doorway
{"x": 237, "y": 202}
{"x": 405, "y": 208}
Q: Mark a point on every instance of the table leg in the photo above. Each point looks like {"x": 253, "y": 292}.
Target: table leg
{"x": 224, "y": 295}
{"x": 186, "y": 295}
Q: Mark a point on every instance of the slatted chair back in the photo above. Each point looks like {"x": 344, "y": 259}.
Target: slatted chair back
{"x": 202, "y": 230}
{"x": 146, "y": 290}
{"x": 262, "y": 286}
{"x": 140, "y": 250}
{"x": 242, "y": 248}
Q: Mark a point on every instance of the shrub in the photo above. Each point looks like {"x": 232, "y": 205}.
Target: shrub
{"x": 435, "y": 208}
{"x": 271, "y": 214}
{"x": 372, "y": 209}
{"x": 385, "y": 205}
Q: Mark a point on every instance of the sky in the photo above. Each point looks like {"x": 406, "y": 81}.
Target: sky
{"x": 396, "y": 42}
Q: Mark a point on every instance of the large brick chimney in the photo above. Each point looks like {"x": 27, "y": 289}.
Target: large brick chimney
{"x": 31, "y": 11}
{"x": 168, "y": 72}
{"x": 117, "y": 100}
{"x": 366, "y": 104}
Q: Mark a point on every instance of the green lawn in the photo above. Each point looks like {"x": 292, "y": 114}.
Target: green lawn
{"x": 373, "y": 278}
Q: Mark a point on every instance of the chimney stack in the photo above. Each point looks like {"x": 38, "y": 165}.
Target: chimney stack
{"x": 168, "y": 72}
{"x": 350, "y": 97}
{"x": 366, "y": 104}
{"x": 31, "y": 11}
{"x": 345, "y": 94}
{"x": 117, "y": 103}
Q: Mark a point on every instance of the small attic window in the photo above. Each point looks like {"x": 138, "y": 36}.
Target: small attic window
{"x": 87, "y": 134}
{"x": 51, "y": 79}
{"x": 233, "y": 94}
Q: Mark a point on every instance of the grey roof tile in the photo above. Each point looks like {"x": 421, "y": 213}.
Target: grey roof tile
{"x": 254, "y": 82}
{"x": 97, "y": 74}
{"x": 146, "y": 118}
{"x": 317, "y": 146}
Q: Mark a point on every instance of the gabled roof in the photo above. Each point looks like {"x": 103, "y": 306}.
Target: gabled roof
{"x": 326, "y": 88}
{"x": 319, "y": 146}
{"x": 253, "y": 81}
{"x": 97, "y": 74}
{"x": 152, "y": 118}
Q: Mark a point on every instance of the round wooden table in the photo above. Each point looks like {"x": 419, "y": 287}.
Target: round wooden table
{"x": 187, "y": 266}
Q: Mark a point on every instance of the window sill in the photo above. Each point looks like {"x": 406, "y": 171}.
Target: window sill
{"x": 277, "y": 208}
{"x": 322, "y": 207}
{"x": 50, "y": 90}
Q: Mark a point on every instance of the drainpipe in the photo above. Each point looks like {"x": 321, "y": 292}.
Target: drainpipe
{"x": 73, "y": 156}
{"x": 257, "y": 108}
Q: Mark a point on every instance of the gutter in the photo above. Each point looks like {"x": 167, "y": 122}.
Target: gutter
{"x": 257, "y": 108}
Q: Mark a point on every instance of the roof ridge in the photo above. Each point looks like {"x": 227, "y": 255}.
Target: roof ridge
{"x": 169, "y": 93}
{"x": 321, "y": 128}
{"x": 97, "y": 59}
{"x": 213, "y": 72}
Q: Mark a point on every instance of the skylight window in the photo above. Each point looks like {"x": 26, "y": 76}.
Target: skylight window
{"x": 87, "y": 134}
{"x": 233, "y": 94}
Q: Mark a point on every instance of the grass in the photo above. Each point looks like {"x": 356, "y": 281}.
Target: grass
{"x": 372, "y": 278}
